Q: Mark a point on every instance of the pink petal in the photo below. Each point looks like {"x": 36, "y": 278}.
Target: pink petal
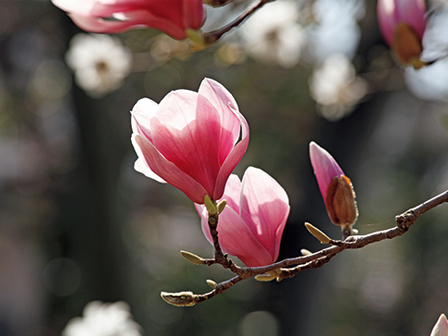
{"x": 237, "y": 239}
{"x": 325, "y": 167}
{"x": 392, "y": 12}
{"x": 173, "y": 19}
{"x": 167, "y": 170}
{"x": 186, "y": 132}
{"x": 264, "y": 207}
{"x": 233, "y": 158}
{"x": 134, "y": 19}
{"x": 142, "y": 113}
{"x": 221, "y": 99}
{"x": 441, "y": 327}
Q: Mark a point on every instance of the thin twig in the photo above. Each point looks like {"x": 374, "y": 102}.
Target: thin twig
{"x": 213, "y": 36}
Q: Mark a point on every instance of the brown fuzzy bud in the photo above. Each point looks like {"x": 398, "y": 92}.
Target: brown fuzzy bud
{"x": 340, "y": 201}
{"x": 407, "y": 46}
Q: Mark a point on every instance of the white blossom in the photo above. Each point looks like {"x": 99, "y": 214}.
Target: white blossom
{"x": 335, "y": 87}
{"x": 100, "y": 63}
{"x": 273, "y": 34}
{"x": 335, "y": 29}
{"x": 103, "y": 319}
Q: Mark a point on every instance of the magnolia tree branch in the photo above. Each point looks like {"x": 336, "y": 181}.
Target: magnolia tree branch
{"x": 288, "y": 268}
{"x": 213, "y": 36}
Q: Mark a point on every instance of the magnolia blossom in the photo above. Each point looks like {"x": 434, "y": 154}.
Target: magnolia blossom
{"x": 335, "y": 187}
{"x": 190, "y": 139}
{"x": 103, "y": 319}
{"x": 112, "y": 16}
{"x": 441, "y": 327}
{"x": 336, "y": 88}
{"x": 100, "y": 63}
{"x": 273, "y": 34}
{"x": 251, "y": 225}
{"x": 403, "y": 23}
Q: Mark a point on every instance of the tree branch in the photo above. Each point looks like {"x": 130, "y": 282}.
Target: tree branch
{"x": 315, "y": 260}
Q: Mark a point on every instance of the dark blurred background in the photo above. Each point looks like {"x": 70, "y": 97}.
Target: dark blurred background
{"x": 77, "y": 223}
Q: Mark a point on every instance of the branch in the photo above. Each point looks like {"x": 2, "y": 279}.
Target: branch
{"x": 288, "y": 268}
{"x": 213, "y": 36}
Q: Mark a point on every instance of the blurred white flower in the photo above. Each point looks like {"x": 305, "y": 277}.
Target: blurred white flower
{"x": 336, "y": 29}
{"x": 429, "y": 82}
{"x": 103, "y": 319}
{"x": 273, "y": 34}
{"x": 335, "y": 87}
{"x": 100, "y": 63}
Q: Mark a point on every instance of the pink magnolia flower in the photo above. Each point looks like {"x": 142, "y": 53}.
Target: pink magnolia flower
{"x": 335, "y": 187}
{"x": 403, "y": 23}
{"x": 251, "y": 225}
{"x": 190, "y": 139}
{"x": 441, "y": 327}
{"x": 173, "y": 17}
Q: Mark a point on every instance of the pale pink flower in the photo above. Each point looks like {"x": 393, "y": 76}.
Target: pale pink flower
{"x": 173, "y": 17}
{"x": 190, "y": 139}
{"x": 251, "y": 225}
{"x": 402, "y": 23}
{"x": 335, "y": 187}
{"x": 441, "y": 327}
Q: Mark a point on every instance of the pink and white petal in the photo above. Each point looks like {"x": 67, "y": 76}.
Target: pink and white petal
{"x": 441, "y": 327}
{"x": 168, "y": 171}
{"x": 193, "y": 147}
{"x": 220, "y": 98}
{"x": 387, "y": 19}
{"x": 81, "y": 7}
{"x": 233, "y": 158}
{"x": 264, "y": 207}
{"x": 232, "y": 193}
{"x": 325, "y": 167}
{"x": 237, "y": 239}
{"x": 142, "y": 113}
{"x": 141, "y": 166}
{"x": 135, "y": 19}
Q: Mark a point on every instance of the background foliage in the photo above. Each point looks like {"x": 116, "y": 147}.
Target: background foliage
{"x": 79, "y": 224}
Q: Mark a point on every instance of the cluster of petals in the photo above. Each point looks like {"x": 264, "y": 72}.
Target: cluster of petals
{"x": 403, "y": 23}
{"x": 441, "y": 327}
{"x": 335, "y": 187}
{"x": 190, "y": 139}
{"x": 251, "y": 225}
{"x": 113, "y": 16}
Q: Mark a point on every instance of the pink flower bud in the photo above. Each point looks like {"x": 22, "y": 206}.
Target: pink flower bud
{"x": 190, "y": 139}
{"x": 403, "y": 23}
{"x": 441, "y": 327}
{"x": 335, "y": 187}
{"x": 113, "y": 16}
{"x": 251, "y": 225}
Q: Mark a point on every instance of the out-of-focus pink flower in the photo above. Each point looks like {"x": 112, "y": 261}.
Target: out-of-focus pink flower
{"x": 441, "y": 327}
{"x": 173, "y": 17}
{"x": 335, "y": 187}
{"x": 403, "y": 23}
{"x": 251, "y": 225}
{"x": 190, "y": 139}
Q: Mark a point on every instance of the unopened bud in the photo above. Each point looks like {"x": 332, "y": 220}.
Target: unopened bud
{"x": 211, "y": 283}
{"x": 193, "y": 258}
{"x": 221, "y": 206}
{"x": 269, "y": 276}
{"x": 180, "y": 299}
{"x": 322, "y": 237}
{"x": 210, "y": 205}
{"x": 305, "y": 252}
{"x": 340, "y": 201}
{"x": 407, "y": 46}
